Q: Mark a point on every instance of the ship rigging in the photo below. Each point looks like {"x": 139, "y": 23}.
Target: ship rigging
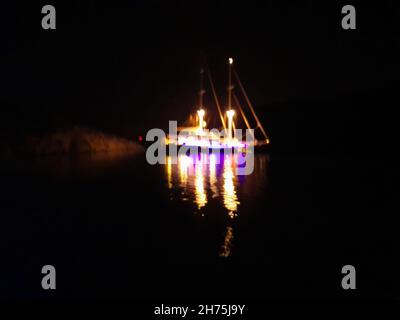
{"x": 199, "y": 135}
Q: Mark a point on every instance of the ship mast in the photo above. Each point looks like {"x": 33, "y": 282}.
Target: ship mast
{"x": 200, "y": 112}
{"x": 201, "y": 91}
{"x": 230, "y": 113}
{"x": 230, "y": 87}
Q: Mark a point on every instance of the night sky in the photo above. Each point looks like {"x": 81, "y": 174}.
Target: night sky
{"x": 128, "y": 65}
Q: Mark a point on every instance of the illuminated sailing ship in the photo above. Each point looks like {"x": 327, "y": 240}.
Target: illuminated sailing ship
{"x": 199, "y": 136}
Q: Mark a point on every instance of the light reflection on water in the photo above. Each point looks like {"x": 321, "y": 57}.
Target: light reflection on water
{"x": 208, "y": 178}
{"x": 201, "y": 196}
{"x": 230, "y": 198}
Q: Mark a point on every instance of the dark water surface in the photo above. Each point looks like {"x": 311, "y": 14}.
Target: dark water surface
{"x": 116, "y": 227}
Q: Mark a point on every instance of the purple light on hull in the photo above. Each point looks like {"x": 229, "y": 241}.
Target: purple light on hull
{"x": 234, "y": 144}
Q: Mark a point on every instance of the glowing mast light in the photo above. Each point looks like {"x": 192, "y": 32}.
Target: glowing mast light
{"x": 230, "y": 114}
{"x": 200, "y": 113}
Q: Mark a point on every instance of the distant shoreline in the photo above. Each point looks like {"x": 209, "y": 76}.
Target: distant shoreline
{"x": 73, "y": 141}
